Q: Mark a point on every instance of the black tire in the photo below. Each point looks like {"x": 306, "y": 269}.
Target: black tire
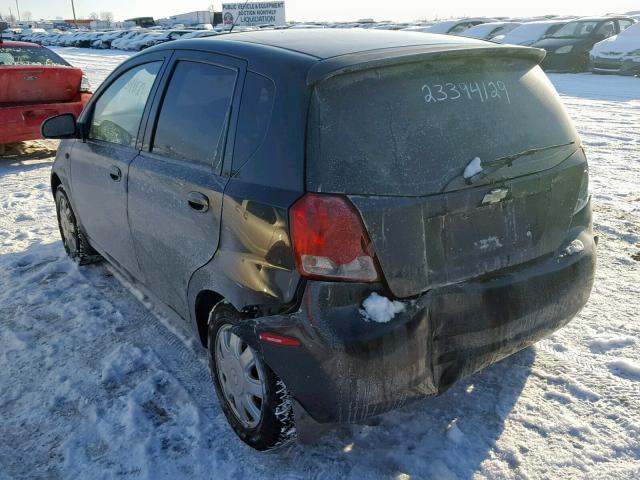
{"x": 73, "y": 240}
{"x": 276, "y": 426}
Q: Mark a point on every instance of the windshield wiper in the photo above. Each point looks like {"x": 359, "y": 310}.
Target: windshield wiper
{"x": 492, "y": 166}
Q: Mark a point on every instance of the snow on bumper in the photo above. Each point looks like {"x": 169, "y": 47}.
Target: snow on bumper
{"x": 348, "y": 369}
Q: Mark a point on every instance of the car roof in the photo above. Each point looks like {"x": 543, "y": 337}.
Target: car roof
{"x": 600, "y": 19}
{"x": 11, "y": 43}
{"x": 328, "y": 43}
{"x": 321, "y": 53}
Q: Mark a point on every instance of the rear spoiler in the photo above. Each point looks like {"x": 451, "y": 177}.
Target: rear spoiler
{"x": 385, "y": 57}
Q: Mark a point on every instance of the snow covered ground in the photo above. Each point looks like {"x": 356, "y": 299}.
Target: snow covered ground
{"x": 94, "y": 384}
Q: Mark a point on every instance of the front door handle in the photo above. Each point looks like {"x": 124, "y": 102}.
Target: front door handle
{"x": 198, "y": 201}
{"x": 115, "y": 173}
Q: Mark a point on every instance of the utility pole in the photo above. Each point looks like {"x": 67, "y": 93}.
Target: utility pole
{"x": 73, "y": 8}
{"x": 18, "y": 10}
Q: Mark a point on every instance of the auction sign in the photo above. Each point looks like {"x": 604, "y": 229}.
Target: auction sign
{"x": 253, "y": 14}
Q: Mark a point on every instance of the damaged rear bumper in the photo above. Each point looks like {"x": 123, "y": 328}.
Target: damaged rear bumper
{"x": 347, "y": 369}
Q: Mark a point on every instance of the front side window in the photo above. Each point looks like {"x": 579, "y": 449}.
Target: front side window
{"x": 194, "y": 113}
{"x": 118, "y": 111}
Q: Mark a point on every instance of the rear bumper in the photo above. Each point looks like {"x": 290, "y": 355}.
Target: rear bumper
{"x": 21, "y": 123}
{"x": 347, "y": 369}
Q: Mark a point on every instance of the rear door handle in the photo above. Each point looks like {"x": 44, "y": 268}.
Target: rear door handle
{"x": 115, "y": 173}
{"x": 198, "y": 201}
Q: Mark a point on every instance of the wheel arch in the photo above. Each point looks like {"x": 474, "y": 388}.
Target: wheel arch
{"x": 55, "y": 183}
{"x": 204, "y": 303}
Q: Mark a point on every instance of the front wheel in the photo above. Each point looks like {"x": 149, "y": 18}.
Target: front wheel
{"x": 255, "y": 401}
{"x": 73, "y": 240}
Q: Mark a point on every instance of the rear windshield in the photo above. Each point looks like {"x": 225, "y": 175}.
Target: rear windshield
{"x": 411, "y": 129}
{"x": 29, "y": 56}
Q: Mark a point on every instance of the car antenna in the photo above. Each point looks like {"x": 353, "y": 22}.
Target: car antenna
{"x": 236, "y": 19}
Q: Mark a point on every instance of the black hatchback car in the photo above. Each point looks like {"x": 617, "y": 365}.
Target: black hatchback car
{"x": 568, "y": 48}
{"x": 349, "y": 219}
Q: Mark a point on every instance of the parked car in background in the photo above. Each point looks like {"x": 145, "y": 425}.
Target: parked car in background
{"x": 453, "y": 27}
{"x": 121, "y": 42}
{"x": 333, "y": 270}
{"x": 568, "y": 48}
{"x": 618, "y": 54}
{"x": 27, "y": 32}
{"x": 146, "y": 40}
{"x": 200, "y": 34}
{"x": 530, "y": 32}
{"x": 36, "y": 84}
{"x": 486, "y": 31}
{"x": 105, "y": 40}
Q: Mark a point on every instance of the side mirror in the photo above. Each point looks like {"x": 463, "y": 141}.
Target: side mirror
{"x": 60, "y": 126}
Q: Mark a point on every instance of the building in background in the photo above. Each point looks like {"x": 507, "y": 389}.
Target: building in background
{"x": 140, "y": 22}
{"x": 191, "y": 19}
{"x": 80, "y": 22}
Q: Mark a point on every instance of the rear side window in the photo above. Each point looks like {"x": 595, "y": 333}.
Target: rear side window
{"x": 624, "y": 24}
{"x": 255, "y": 115}
{"x": 410, "y": 129}
{"x": 194, "y": 113}
{"x": 29, "y": 56}
{"x": 607, "y": 29}
{"x": 118, "y": 111}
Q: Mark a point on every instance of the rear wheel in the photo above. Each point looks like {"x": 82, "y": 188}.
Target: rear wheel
{"x": 254, "y": 400}
{"x": 74, "y": 241}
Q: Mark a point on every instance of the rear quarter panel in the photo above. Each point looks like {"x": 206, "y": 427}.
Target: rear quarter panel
{"x": 254, "y": 264}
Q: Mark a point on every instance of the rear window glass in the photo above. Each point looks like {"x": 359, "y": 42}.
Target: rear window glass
{"x": 255, "y": 116}
{"x": 410, "y": 129}
{"x": 29, "y": 56}
{"x": 194, "y": 113}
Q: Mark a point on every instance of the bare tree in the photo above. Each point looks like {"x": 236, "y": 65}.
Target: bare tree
{"x": 106, "y": 17}
{"x": 26, "y": 16}
{"x": 93, "y": 16}
{"x": 11, "y": 18}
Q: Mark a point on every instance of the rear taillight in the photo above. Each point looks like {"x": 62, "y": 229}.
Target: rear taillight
{"x": 85, "y": 85}
{"x": 330, "y": 241}
{"x": 583, "y": 193}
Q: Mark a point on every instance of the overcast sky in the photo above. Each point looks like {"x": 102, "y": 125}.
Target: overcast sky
{"x": 330, "y": 9}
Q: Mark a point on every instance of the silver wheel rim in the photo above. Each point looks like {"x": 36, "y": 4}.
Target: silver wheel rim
{"x": 67, "y": 225}
{"x": 241, "y": 377}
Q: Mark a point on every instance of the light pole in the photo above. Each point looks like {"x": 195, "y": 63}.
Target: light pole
{"x": 73, "y": 9}
{"x": 18, "y": 10}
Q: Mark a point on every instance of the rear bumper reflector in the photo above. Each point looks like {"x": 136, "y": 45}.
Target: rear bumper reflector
{"x": 281, "y": 340}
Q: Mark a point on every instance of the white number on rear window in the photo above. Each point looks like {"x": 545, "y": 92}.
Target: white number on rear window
{"x": 484, "y": 91}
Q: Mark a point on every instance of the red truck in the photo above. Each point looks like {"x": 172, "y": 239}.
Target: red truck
{"x": 35, "y": 84}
